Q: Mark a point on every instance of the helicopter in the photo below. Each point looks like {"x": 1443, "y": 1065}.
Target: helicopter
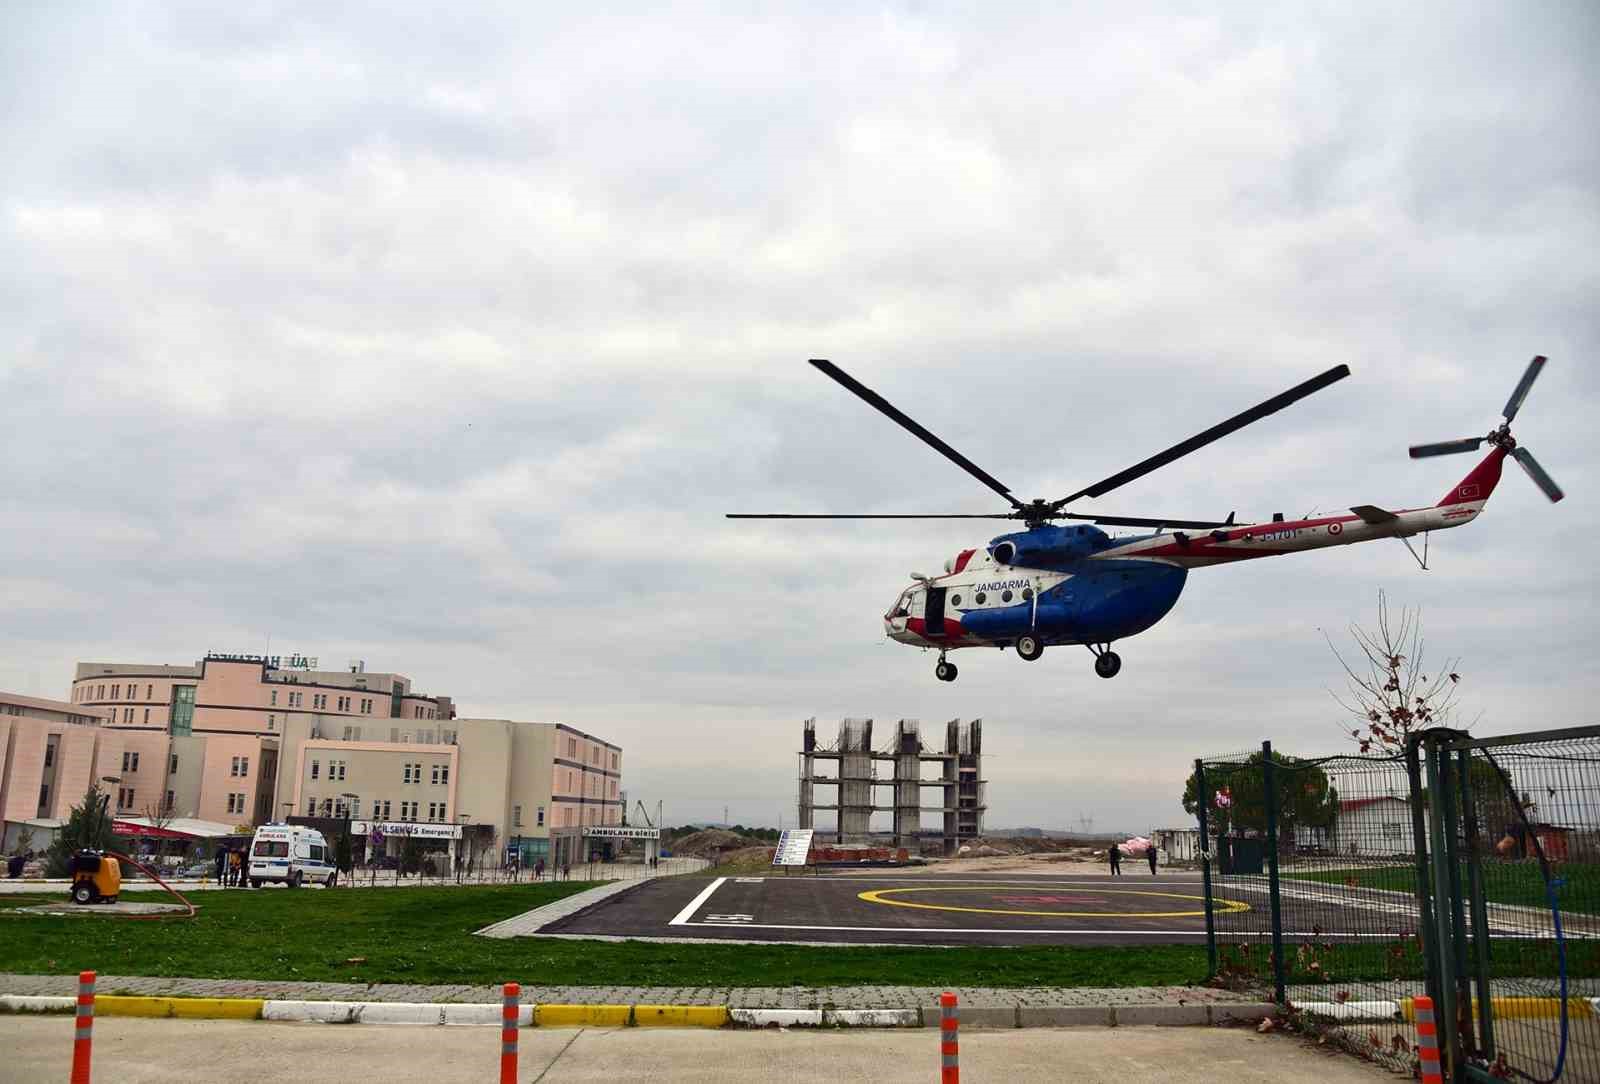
{"x": 1073, "y": 584}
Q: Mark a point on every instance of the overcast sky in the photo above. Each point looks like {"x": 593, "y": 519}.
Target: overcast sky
{"x": 444, "y": 342}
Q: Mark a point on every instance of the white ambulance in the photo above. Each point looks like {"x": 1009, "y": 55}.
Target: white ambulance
{"x": 291, "y": 854}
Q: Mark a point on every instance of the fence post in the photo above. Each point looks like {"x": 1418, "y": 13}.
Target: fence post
{"x": 949, "y": 1040}
{"x": 1444, "y": 951}
{"x": 510, "y": 1008}
{"x": 1427, "y": 1040}
{"x": 1424, "y": 867}
{"x": 1269, "y": 780}
{"x": 1480, "y": 909}
{"x": 1202, "y": 800}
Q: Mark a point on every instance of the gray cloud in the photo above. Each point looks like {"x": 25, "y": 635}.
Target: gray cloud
{"x": 444, "y": 342}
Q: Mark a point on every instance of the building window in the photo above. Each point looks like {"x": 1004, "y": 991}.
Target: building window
{"x": 101, "y": 695}
{"x": 366, "y": 706}
{"x": 572, "y": 747}
{"x": 516, "y": 815}
{"x": 613, "y": 762}
{"x": 235, "y": 803}
{"x": 311, "y": 807}
{"x": 441, "y": 774}
{"x": 541, "y": 817}
{"x": 272, "y": 697}
{"x": 382, "y": 806}
{"x": 272, "y": 722}
{"x": 240, "y": 767}
{"x": 130, "y": 762}
{"x": 124, "y": 797}
{"x": 347, "y": 733}
{"x": 147, "y": 715}
{"x": 172, "y": 764}
{"x": 408, "y": 811}
{"x": 182, "y": 710}
{"x": 336, "y": 769}
{"x": 44, "y": 798}
{"x": 316, "y": 766}
{"x": 49, "y": 755}
{"x": 172, "y": 800}
{"x": 116, "y": 692}
{"x": 149, "y": 692}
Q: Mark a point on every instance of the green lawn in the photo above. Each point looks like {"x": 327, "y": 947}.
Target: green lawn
{"x": 423, "y": 935}
{"x": 1504, "y": 882}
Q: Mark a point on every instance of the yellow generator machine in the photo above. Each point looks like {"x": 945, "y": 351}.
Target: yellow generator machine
{"x": 96, "y": 877}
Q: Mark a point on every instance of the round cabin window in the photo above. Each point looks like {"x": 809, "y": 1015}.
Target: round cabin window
{"x": 1027, "y": 594}
{"x": 1005, "y": 596}
{"x": 955, "y": 600}
{"x": 979, "y": 597}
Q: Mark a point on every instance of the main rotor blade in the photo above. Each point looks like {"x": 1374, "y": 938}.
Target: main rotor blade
{"x": 887, "y": 408}
{"x": 869, "y": 515}
{"x": 1529, "y": 375}
{"x": 1135, "y": 521}
{"x": 1216, "y": 432}
{"x": 1536, "y": 472}
{"x": 1445, "y": 447}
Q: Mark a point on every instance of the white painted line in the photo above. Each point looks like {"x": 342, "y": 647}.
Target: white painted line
{"x": 872, "y": 1018}
{"x": 935, "y": 930}
{"x": 390, "y": 1012}
{"x": 1352, "y": 1010}
{"x": 783, "y": 1018}
{"x": 695, "y": 904}
{"x": 31, "y": 1003}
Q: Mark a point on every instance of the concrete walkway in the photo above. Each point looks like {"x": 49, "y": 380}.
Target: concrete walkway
{"x": 138, "y": 1051}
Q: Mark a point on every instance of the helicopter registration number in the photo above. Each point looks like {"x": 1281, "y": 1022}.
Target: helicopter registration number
{"x": 1277, "y": 536}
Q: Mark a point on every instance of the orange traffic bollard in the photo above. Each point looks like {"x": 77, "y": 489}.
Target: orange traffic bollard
{"x": 1427, "y": 1040}
{"x": 508, "y": 1033}
{"x": 949, "y": 1045}
{"x": 83, "y": 1037}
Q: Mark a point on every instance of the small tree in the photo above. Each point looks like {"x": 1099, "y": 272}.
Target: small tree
{"x": 24, "y": 839}
{"x": 88, "y": 827}
{"x": 1389, "y": 694}
{"x": 1236, "y": 797}
{"x": 342, "y": 855}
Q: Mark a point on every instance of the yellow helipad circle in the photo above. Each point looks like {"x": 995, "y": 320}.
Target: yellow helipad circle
{"x": 878, "y": 895}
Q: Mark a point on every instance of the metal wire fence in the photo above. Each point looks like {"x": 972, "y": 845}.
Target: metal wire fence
{"x": 1312, "y": 864}
{"x": 1518, "y": 857}
{"x": 1467, "y": 869}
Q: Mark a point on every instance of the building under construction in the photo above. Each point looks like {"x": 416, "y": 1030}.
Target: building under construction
{"x": 857, "y": 783}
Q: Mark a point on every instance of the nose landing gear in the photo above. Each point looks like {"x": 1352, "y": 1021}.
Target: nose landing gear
{"x": 1029, "y": 647}
{"x": 945, "y": 671}
{"x": 1107, "y": 663}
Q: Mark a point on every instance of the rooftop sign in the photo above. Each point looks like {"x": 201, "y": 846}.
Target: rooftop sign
{"x": 273, "y": 662}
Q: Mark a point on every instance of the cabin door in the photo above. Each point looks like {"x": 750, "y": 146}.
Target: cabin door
{"x": 933, "y": 613}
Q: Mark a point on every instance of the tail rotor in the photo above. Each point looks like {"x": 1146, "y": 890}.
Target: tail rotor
{"x": 1502, "y": 437}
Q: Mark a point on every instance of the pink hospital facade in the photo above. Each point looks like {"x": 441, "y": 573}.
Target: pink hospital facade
{"x": 241, "y": 740}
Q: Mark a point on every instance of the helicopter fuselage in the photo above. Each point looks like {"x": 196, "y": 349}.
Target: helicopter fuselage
{"x": 1079, "y": 585}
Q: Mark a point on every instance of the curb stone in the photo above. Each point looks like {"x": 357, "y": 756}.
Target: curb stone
{"x": 457, "y": 1014}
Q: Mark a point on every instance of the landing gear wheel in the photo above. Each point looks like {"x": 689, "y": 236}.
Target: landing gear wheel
{"x": 1030, "y": 647}
{"x": 1107, "y": 663}
{"x": 945, "y": 671}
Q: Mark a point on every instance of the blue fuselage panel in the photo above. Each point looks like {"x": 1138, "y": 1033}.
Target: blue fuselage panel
{"x": 1103, "y": 601}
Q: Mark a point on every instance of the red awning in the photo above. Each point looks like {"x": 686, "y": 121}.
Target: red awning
{"x": 127, "y": 828}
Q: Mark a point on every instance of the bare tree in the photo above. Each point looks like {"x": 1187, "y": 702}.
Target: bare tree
{"x": 1389, "y": 693}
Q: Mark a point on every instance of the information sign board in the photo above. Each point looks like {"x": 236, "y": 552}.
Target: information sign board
{"x": 793, "y": 847}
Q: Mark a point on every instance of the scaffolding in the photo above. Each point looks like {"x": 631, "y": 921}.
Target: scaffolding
{"x": 856, "y": 782}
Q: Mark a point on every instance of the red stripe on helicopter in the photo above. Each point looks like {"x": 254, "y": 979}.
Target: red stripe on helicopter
{"x": 952, "y": 629}
{"x": 961, "y": 560}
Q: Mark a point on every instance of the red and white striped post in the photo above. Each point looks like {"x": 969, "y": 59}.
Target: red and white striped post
{"x": 509, "y": 1009}
{"x": 1427, "y": 1040}
{"x": 949, "y": 1042}
{"x": 83, "y": 1036}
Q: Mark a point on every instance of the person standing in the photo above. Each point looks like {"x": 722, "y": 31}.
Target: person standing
{"x": 1150, "y": 855}
{"x": 221, "y": 863}
{"x": 1116, "y": 860}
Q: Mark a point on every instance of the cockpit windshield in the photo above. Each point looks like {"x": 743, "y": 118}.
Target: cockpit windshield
{"x": 902, "y": 605}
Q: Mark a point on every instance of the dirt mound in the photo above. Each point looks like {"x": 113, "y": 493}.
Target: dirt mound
{"x": 710, "y": 843}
